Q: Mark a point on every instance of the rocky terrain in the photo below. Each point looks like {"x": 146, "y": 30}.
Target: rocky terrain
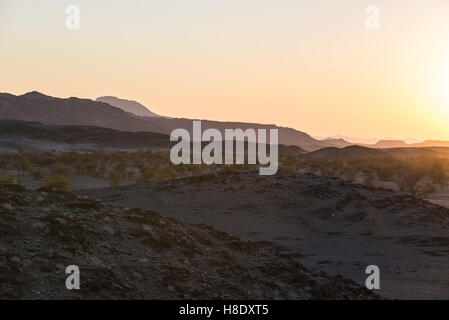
{"x": 324, "y": 223}
{"x": 138, "y": 254}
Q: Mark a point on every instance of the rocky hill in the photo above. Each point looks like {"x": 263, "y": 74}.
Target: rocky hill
{"x": 137, "y": 254}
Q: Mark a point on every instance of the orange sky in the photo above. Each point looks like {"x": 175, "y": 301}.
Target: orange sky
{"x": 311, "y": 65}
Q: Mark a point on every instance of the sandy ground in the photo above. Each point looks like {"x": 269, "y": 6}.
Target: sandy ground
{"x": 327, "y": 224}
{"x": 441, "y": 198}
{"x": 77, "y": 181}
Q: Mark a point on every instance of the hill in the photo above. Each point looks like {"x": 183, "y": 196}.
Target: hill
{"x": 37, "y": 136}
{"x": 389, "y": 144}
{"x": 411, "y": 152}
{"x": 432, "y": 143}
{"x": 138, "y": 254}
{"x": 351, "y": 152}
{"x": 339, "y": 143}
{"x": 33, "y": 136}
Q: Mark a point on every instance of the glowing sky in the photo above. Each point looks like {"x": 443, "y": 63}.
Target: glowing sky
{"x": 311, "y": 65}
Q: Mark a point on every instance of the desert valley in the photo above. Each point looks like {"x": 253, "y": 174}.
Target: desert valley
{"x": 91, "y": 183}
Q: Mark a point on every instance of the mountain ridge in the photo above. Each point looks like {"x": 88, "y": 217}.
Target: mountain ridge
{"x": 76, "y": 111}
{"x": 128, "y": 105}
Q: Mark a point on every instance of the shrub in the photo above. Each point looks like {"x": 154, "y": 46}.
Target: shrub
{"x": 146, "y": 174}
{"x": 11, "y": 180}
{"x": 369, "y": 179}
{"x": 59, "y": 169}
{"x": 428, "y": 189}
{"x": 115, "y": 177}
{"x": 409, "y": 176}
{"x": 166, "y": 173}
{"x": 37, "y": 173}
{"x": 58, "y": 183}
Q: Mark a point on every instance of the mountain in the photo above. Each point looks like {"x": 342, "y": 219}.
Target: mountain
{"x": 343, "y": 141}
{"x": 128, "y": 105}
{"x": 339, "y": 143}
{"x": 432, "y": 143}
{"x": 387, "y": 144}
{"x": 74, "y": 111}
{"x": 382, "y": 144}
{"x": 351, "y": 140}
{"x": 34, "y": 95}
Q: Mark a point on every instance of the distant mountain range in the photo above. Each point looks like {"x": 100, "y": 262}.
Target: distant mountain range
{"x": 389, "y": 144}
{"x": 362, "y": 153}
{"x": 385, "y": 144}
{"x": 126, "y": 115}
{"x": 338, "y": 143}
{"x": 363, "y": 141}
{"x": 32, "y": 136}
{"x": 35, "y": 106}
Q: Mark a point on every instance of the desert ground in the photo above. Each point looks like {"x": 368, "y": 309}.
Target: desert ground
{"x": 137, "y": 254}
{"x": 327, "y": 224}
{"x": 440, "y": 197}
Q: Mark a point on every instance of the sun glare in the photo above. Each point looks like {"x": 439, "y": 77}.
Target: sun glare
{"x": 445, "y": 89}
{"x": 442, "y": 89}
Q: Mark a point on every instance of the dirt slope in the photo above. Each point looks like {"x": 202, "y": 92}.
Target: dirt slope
{"x": 330, "y": 224}
{"x": 140, "y": 255}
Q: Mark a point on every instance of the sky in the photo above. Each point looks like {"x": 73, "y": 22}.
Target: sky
{"x": 310, "y": 65}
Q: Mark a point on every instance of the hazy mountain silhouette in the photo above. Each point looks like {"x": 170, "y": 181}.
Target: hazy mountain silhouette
{"x": 351, "y": 140}
{"x": 339, "y": 143}
{"x": 74, "y": 111}
{"x": 387, "y": 144}
{"x": 431, "y": 143}
{"x": 390, "y": 144}
{"x": 128, "y": 105}
{"x": 35, "y": 106}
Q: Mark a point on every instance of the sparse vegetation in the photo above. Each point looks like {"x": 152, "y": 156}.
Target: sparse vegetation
{"x": 58, "y": 183}
{"x": 420, "y": 175}
{"x": 11, "y": 180}
{"x": 416, "y": 175}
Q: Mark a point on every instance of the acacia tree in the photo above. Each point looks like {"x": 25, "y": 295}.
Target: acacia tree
{"x": 409, "y": 175}
{"x": 21, "y": 164}
{"x": 438, "y": 175}
{"x": 58, "y": 182}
